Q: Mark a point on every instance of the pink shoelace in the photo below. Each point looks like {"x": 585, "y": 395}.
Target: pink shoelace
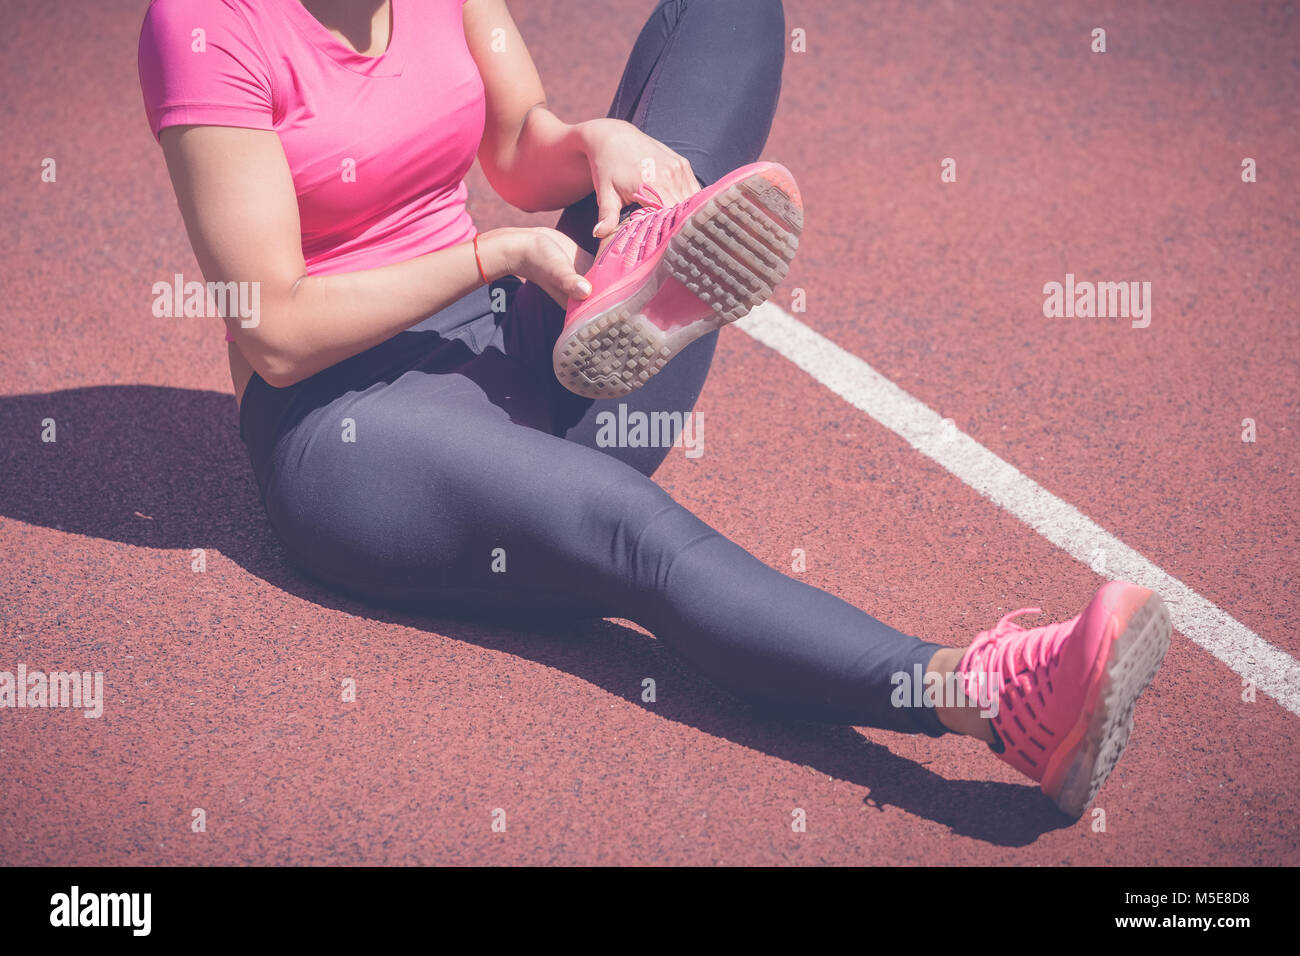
{"x": 647, "y": 225}
{"x": 1003, "y": 661}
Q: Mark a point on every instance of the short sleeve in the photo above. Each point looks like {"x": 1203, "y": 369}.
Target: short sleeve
{"x": 200, "y": 63}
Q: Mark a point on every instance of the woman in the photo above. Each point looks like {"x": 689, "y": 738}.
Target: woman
{"x": 400, "y": 388}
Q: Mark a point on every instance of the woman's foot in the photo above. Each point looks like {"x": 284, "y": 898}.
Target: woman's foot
{"x": 673, "y": 273}
{"x": 1062, "y": 695}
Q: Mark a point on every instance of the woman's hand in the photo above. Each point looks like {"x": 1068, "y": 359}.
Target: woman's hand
{"x": 545, "y": 256}
{"x": 621, "y": 159}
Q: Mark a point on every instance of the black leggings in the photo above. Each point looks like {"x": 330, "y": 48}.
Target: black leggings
{"x": 448, "y": 470}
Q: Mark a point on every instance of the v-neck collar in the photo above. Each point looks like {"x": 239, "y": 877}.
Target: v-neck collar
{"x": 388, "y": 63}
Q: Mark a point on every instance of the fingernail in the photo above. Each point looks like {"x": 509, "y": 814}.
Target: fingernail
{"x": 584, "y": 287}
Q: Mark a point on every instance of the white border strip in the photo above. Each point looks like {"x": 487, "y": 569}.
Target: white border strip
{"x": 1269, "y": 668}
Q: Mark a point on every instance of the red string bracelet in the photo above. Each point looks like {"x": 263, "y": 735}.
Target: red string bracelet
{"x": 482, "y": 275}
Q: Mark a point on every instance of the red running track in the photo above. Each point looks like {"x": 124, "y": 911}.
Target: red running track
{"x": 223, "y": 687}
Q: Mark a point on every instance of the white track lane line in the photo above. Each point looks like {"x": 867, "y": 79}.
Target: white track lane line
{"x": 1270, "y": 669}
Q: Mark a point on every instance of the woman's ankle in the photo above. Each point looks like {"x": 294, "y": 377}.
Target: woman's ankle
{"x": 965, "y": 717}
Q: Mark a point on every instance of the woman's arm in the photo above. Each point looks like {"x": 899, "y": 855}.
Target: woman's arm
{"x": 532, "y": 159}
{"x": 237, "y": 198}
{"x": 536, "y": 161}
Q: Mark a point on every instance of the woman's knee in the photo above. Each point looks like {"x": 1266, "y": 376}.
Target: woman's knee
{"x": 738, "y": 51}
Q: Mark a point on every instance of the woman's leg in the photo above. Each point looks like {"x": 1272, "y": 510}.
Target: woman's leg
{"x": 703, "y": 78}
{"x": 420, "y": 485}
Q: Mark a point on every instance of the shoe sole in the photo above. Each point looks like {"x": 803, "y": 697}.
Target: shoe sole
{"x": 726, "y": 258}
{"x": 1134, "y": 658}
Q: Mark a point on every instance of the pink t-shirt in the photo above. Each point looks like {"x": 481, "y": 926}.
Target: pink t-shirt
{"x": 378, "y": 146}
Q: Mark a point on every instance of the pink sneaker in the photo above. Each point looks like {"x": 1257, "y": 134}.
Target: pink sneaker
{"x": 1065, "y": 705}
{"x": 674, "y": 273}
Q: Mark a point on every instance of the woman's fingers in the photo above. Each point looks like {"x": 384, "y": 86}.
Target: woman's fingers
{"x": 579, "y": 288}
{"x": 676, "y": 180}
{"x": 553, "y": 266}
{"x": 608, "y": 204}
{"x": 687, "y": 183}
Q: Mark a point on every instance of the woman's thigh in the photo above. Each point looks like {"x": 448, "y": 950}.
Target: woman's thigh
{"x": 430, "y": 491}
